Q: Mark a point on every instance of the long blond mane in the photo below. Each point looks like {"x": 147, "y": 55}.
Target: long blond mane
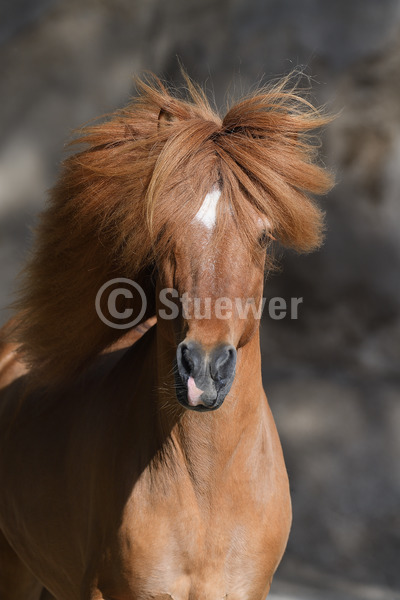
{"x": 129, "y": 193}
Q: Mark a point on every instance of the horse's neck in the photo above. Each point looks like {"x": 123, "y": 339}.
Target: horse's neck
{"x": 206, "y": 442}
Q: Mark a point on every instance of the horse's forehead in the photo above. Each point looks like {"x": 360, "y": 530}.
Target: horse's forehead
{"x": 207, "y": 213}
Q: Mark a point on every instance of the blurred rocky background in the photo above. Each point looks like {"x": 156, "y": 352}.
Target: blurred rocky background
{"x": 332, "y": 376}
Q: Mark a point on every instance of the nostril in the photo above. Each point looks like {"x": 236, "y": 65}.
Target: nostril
{"x": 188, "y": 359}
{"x": 184, "y": 365}
{"x": 187, "y": 362}
{"x": 224, "y": 357}
{"x": 223, "y": 364}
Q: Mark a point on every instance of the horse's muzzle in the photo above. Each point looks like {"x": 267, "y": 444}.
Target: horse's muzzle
{"x": 204, "y": 378}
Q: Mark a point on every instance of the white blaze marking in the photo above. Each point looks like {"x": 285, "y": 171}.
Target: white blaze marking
{"x": 207, "y": 213}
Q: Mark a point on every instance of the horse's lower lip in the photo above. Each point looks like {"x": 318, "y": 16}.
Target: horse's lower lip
{"x": 200, "y": 407}
{"x": 183, "y": 401}
{"x": 206, "y": 403}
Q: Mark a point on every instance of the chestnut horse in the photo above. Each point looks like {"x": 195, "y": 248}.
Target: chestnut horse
{"x": 146, "y": 463}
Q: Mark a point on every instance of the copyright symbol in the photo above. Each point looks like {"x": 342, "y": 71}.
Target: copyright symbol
{"x": 118, "y": 300}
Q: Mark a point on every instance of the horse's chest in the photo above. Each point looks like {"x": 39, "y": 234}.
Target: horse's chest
{"x": 189, "y": 549}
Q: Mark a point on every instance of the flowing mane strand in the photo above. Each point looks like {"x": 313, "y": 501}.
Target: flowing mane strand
{"x": 131, "y": 191}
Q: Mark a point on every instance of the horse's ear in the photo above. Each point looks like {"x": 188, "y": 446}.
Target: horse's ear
{"x": 165, "y": 118}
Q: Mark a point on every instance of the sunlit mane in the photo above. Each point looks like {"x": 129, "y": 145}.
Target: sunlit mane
{"x": 128, "y": 195}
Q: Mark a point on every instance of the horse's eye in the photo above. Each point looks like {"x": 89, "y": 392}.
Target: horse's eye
{"x": 263, "y": 239}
